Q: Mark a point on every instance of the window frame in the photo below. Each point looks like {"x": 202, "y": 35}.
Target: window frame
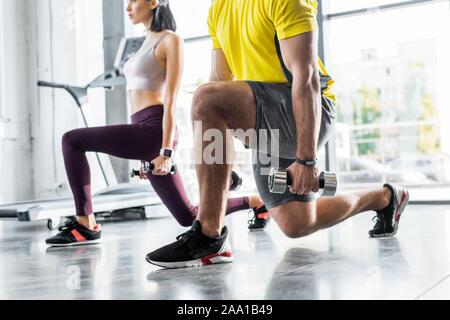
{"x": 330, "y": 151}
{"x": 376, "y": 9}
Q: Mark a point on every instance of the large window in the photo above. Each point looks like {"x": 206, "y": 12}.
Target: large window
{"x": 391, "y": 71}
{"x": 191, "y": 17}
{"x": 337, "y": 7}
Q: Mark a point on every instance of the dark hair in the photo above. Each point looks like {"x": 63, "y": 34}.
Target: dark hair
{"x": 163, "y": 18}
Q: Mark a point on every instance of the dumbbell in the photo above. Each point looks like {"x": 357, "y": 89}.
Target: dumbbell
{"x": 279, "y": 180}
{"x": 147, "y": 167}
{"x": 237, "y": 182}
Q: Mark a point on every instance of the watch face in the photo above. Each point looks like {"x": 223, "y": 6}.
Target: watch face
{"x": 166, "y": 153}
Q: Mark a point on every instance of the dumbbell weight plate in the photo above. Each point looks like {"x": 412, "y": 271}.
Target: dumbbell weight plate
{"x": 329, "y": 187}
{"x": 237, "y": 181}
{"x": 134, "y": 173}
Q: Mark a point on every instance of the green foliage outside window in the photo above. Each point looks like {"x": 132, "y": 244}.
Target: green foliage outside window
{"x": 366, "y": 110}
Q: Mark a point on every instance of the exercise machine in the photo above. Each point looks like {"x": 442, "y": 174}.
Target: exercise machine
{"x": 115, "y": 198}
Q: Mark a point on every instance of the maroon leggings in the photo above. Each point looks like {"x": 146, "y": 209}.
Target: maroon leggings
{"x": 139, "y": 141}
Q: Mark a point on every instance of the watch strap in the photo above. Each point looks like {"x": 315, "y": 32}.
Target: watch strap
{"x": 308, "y": 163}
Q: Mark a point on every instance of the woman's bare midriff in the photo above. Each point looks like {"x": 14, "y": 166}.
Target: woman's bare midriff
{"x": 141, "y": 99}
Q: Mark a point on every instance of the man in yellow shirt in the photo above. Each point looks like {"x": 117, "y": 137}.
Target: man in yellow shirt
{"x": 283, "y": 91}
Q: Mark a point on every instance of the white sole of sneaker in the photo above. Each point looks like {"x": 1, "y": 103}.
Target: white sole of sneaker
{"x": 403, "y": 203}
{"x": 75, "y": 244}
{"x": 213, "y": 259}
{"x": 223, "y": 256}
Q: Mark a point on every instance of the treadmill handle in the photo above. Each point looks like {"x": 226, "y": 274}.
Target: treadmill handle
{"x": 51, "y": 84}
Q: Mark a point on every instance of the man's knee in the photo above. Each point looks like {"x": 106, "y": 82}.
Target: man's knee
{"x": 205, "y": 102}
{"x": 297, "y": 231}
{"x": 295, "y": 219}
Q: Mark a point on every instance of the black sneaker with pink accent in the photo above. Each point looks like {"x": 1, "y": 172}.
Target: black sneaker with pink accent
{"x": 261, "y": 217}
{"x": 74, "y": 234}
{"x": 388, "y": 219}
{"x": 193, "y": 249}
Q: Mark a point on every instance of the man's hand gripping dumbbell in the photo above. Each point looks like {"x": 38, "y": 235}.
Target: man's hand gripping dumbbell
{"x": 279, "y": 180}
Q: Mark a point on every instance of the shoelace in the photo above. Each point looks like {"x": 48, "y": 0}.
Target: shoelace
{"x": 68, "y": 225}
{"x": 379, "y": 218}
{"x": 186, "y": 236}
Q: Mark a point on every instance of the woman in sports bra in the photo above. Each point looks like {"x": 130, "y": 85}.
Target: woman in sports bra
{"x": 153, "y": 78}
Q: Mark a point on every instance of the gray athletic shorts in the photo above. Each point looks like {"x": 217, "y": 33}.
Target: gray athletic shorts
{"x": 274, "y": 111}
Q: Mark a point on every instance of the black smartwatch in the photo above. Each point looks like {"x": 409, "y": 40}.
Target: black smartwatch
{"x": 308, "y": 163}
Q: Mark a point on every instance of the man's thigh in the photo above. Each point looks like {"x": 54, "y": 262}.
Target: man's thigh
{"x": 231, "y": 101}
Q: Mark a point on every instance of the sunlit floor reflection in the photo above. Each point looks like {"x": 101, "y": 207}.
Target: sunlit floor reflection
{"x": 339, "y": 263}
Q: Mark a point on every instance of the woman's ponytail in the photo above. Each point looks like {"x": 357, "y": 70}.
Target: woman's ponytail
{"x": 163, "y": 18}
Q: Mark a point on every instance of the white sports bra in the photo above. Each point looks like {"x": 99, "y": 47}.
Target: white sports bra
{"x": 143, "y": 71}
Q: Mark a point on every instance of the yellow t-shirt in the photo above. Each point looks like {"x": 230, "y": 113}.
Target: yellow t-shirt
{"x": 245, "y": 30}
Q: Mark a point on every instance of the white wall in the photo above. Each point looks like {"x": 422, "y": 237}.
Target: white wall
{"x": 17, "y": 100}
{"x": 55, "y": 112}
{"x": 2, "y": 90}
{"x": 69, "y": 51}
{"x": 2, "y": 75}
{"x": 51, "y": 40}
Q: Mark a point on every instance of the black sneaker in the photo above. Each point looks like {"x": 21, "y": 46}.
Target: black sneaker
{"x": 388, "y": 219}
{"x": 261, "y": 218}
{"x": 193, "y": 249}
{"x": 74, "y": 234}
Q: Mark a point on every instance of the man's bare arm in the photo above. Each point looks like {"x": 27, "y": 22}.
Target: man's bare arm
{"x": 220, "y": 70}
{"x": 300, "y": 56}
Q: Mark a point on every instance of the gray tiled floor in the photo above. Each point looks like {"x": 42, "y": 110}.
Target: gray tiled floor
{"x": 339, "y": 263}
